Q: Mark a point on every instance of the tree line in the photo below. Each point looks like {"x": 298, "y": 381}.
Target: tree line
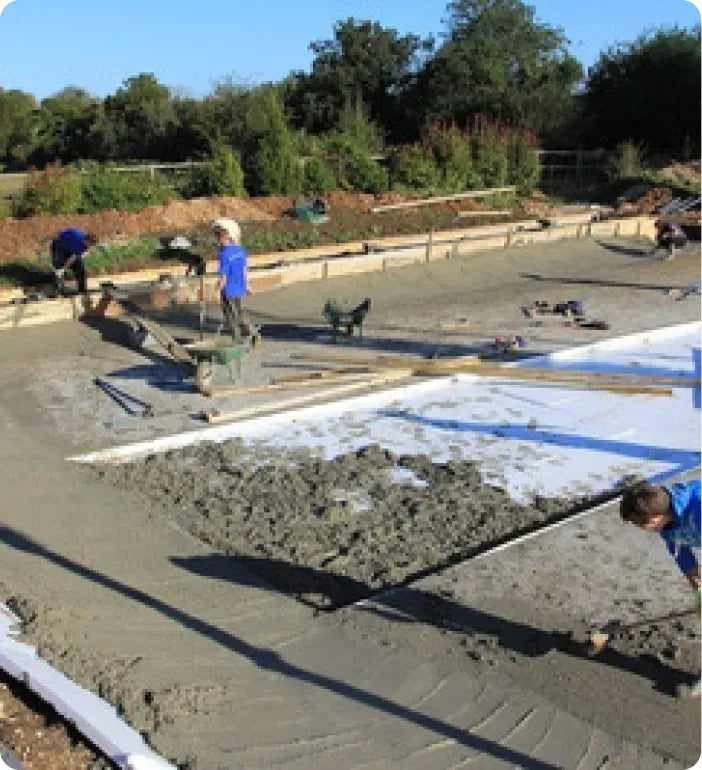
{"x": 370, "y": 88}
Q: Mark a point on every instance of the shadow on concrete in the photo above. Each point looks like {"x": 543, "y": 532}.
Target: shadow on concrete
{"x": 409, "y": 604}
{"x": 683, "y": 460}
{"x": 628, "y": 251}
{"x": 597, "y": 282}
{"x": 27, "y": 275}
{"x": 269, "y": 660}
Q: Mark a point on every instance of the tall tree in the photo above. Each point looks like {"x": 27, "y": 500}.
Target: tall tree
{"x": 224, "y": 113}
{"x": 498, "y": 61}
{"x": 17, "y": 127}
{"x": 648, "y": 92}
{"x": 143, "y": 116}
{"x": 365, "y": 66}
{"x": 66, "y": 124}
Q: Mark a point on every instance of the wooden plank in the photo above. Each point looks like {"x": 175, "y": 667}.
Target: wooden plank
{"x": 443, "y": 199}
{"x": 365, "y": 264}
{"x": 287, "y": 385}
{"x": 384, "y": 362}
{"x": 36, "y": 313}
{"x": 302, "y": 272}
{"x": 254, "y": 411}
{"x": 471, "y": 365}
{"x": 319, "y": 374}
{"x": 176, "y": 350}
{"x": 490, "y": 213}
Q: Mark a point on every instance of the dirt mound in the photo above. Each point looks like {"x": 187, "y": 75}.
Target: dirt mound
{"x": 688, "y": 173}
{"x": 653, "y": 199}
{"x": 22, "y": 238}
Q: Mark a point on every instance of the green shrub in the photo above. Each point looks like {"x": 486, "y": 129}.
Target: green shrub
{"x": 56, "y": 190}
{"x": 625, "y": 163}
{"x": 354, "y": 167}
{"x": 222, "y": 175}
{"x": 318, "y": 177}
{"x": 491, "y": 159}
{"x": 103, "y": 188}
{"x": 453, "y": 154}
{"x": 524, "y": 166}
{"x": 271, "y": 163}
{"x": 133, "y": 255}
{"x": 413, "y": 167}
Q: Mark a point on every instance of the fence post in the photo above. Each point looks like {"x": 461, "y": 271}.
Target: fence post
{"x": 579, "y": 167}
{"x": 429, "y": 245}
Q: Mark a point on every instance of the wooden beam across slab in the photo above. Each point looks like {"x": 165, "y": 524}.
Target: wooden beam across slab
{"x": 289, "y": 384}
{"x": 581, "y": 379}
{"x": 377, "y": 381}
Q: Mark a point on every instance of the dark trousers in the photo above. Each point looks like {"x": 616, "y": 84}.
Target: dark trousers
{"x": 59, "y": 259}
{"x": 234, "y": 316}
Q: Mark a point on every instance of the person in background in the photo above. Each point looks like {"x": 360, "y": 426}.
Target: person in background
{"x": 67, "y": 250}
{"x": 669, "y": 236}
{"x": 233, "y": 283}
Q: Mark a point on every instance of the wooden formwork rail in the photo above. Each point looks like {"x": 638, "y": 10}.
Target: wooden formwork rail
{"x": 305, "y": 266}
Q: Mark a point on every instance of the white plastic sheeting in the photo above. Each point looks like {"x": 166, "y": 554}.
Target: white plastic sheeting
{"x": 532, "y": 438}
{"x": 92, "y": 716}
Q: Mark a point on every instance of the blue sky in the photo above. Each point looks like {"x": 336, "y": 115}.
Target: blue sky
{"x": 48, "y": 44}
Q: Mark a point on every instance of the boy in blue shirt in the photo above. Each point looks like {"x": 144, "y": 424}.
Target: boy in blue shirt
{"x": 673, "y": 512}
{"x": 67, "y": 250}
{"x": 232, "y": 284}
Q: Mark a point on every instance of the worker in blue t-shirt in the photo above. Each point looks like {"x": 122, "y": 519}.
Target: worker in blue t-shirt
{"x": 232, "y": 283}
{"x": 675, "y": 513}
{"x": 67, "y": 250}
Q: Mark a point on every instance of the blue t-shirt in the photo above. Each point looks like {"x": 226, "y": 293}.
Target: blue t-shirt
{"x": 683, "y": 533}
{"x": 232, "y": 265}
{"x": 72, "y": 241}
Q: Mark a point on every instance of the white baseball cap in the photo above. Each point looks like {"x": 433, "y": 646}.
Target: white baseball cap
{"x": 230, "y": 227}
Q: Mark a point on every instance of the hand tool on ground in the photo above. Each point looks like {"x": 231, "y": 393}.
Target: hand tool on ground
{"x": 601, "y": 638}
{"x": 143, "y": 409}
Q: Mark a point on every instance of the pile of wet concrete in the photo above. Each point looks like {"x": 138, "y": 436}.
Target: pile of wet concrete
{"x": 331, "y": 532}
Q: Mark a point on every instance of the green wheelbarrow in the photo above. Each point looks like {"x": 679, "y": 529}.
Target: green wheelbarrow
{"x": 219, "y": 352}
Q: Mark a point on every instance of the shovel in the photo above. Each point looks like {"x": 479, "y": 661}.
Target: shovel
{"x": 600, "y": 639}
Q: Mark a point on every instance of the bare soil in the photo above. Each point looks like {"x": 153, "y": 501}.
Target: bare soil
{"x": 38, "y": 737}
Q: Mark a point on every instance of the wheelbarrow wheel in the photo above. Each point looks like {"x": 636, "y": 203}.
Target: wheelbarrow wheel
{"x": 136, "y": 336}
{"x": 203, "y": 376}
